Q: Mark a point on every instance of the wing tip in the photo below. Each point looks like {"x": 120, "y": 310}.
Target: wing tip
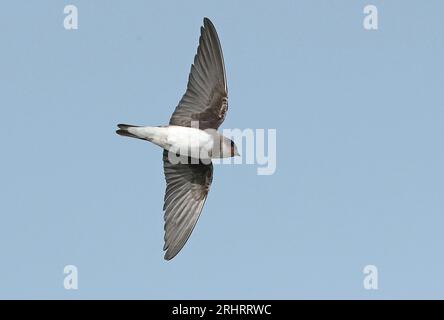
{"x": 170, "y": 255}
{"x": 208, "y": 24}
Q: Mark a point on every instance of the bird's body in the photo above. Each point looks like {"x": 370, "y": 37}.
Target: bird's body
{"x": 184, "y": 141}
{"x": 191, "y": 140}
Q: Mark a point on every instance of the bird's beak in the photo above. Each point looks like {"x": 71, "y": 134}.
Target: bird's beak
{"x": 237, "y": 153}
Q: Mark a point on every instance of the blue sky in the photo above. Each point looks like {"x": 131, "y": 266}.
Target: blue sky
{"x": 359, "y": 179}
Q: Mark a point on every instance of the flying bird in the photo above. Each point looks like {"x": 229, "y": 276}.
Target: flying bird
{"x": 191, "y": 140}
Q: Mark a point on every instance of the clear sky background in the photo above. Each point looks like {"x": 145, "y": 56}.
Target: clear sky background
{"x": 359, "y": 117}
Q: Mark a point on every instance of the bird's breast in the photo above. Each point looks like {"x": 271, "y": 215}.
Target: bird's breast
{"x": 191, "y": 142}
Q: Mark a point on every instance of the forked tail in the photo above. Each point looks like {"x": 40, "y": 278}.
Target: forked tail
{"x": 124, "y": 131}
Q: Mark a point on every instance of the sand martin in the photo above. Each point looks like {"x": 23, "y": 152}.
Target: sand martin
{"x": 191, "y": 140}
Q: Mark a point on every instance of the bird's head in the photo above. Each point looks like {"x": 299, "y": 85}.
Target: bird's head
{"x": 227, "y": 149}
{"x": 234, "y": 151}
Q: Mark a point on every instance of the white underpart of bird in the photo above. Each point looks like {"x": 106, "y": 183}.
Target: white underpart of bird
{"x": 185, "y": 141}
{"x": 204, "y": 103}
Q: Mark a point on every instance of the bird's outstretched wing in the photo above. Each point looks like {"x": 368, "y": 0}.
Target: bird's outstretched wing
{"x": 186, "y": 192}
{"x": 206, "y": 98}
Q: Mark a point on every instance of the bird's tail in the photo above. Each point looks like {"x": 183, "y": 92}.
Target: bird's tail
{"x": 124, "y": 130}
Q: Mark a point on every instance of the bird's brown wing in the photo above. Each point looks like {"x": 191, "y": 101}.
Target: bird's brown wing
{"x": 186, "y": 192}
{"x": 206, "y": 98}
